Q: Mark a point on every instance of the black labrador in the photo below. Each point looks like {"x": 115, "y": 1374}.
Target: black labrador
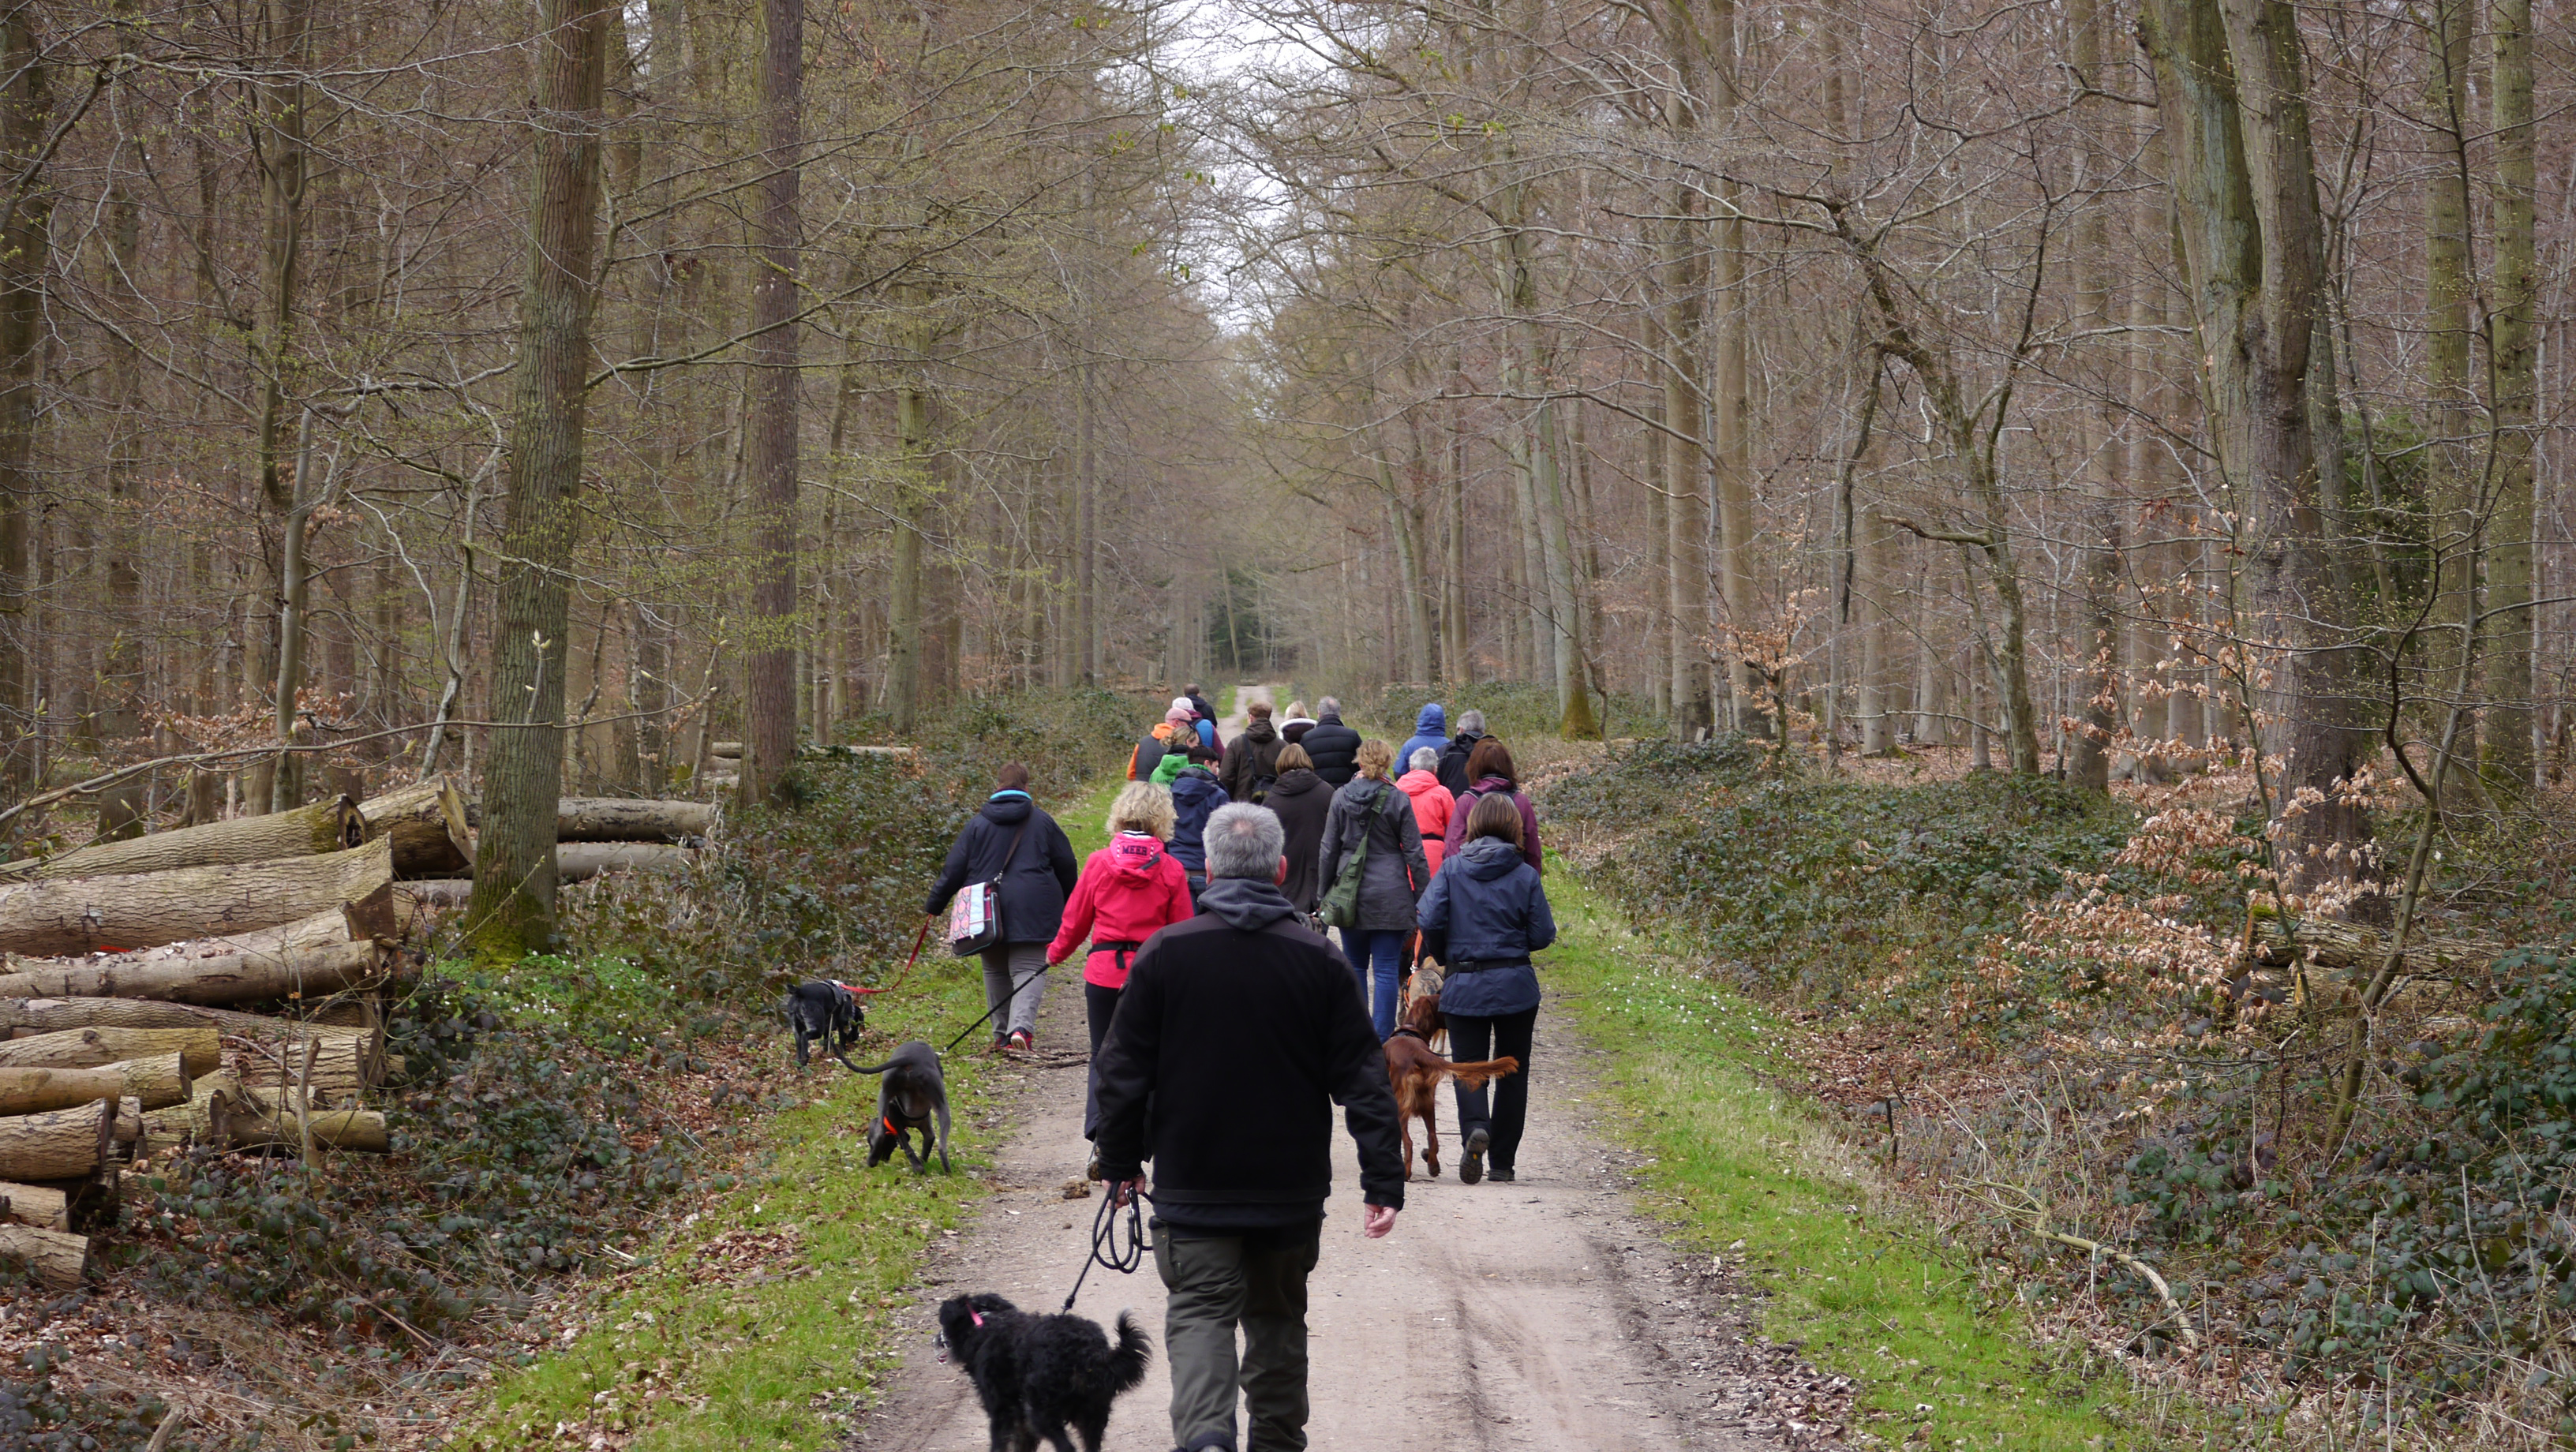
{"x": 827, "y": 1013}
{"x": 913, "y": 1096}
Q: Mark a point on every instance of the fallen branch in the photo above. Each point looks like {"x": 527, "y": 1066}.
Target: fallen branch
{"x": 2036, "y": 1211}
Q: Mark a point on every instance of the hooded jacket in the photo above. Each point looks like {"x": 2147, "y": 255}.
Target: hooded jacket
{"x": 1432, "y": 806}
{"x": 1170, "y": 738}
{"x": 1431, "y": 729}
{"x": 1529, "y": 817}
{"x": 1453, "y": 759}
{"x": 1336, "y": 749}
{"x": 1042, "y": 872}
{"x": 1394, "y": 874}
{"x": 1195, "y": 798}
{"x": 1130, "y": 890}
{"x": 1295, "y": 727}
{"x": 1301, "y": 801}
{"x": 1250, "y": 756}
{"x": 1487, "y": 911}
{"x": 1236, "y": 1035}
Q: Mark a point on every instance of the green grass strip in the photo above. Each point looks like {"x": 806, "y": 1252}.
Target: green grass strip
{"x": 1747, "y": 1173}
{"x": 766, "y": 1321}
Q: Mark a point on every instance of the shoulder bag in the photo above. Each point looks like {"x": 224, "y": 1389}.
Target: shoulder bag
{"x": 1341, "y": 905}
{"x": 975, "y": 919}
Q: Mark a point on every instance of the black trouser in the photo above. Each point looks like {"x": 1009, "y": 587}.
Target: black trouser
{"x": 1101, "y": 1004}
{"x": 1472, "y": 1039}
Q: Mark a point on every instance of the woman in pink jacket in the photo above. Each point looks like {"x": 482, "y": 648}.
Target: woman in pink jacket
{"x": 1128, "y": 891}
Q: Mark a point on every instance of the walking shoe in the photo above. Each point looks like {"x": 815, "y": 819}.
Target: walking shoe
{"x": 1021, "y": 1041}
{"x": 1500, "y": 1175}
{"x": 1471, "y": 1166}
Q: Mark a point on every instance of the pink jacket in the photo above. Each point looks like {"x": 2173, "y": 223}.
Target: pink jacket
{"x": 1129, "y": 890}
{"x": 1432, "y": 808}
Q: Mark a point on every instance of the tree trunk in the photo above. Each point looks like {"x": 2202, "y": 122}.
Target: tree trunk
{"x": 584, "y": 860}
{"x": 88, "y": 1048}
{"x": 428, "y": 825}
{"x": 514, "y": 877}
{"x": 905, "y": 598}
{"x": 282, "y": 1127}
{"x": 159, "y": 1080}
{"x": 2509, "y": 763}
{"x": 230, "y": 978}
{"x": 617, "y": 819}
{"x": 58, "y": 1261}
{"x": 91, "y": 914}
{"x": 1682, "y": 451}
{"x": 57, "y": 1144}
{"x": 342, "y": 1068}
{"x": 377, "y": 917}
{"x": 2454, "y": 480}
{"x": 199, "y": 1120}
{"x": 326, "y": 826}
{"x": 280, "y": 146}
{"x": 25, "y": 113}
{"x": 41, "y": 1206}
{"x": 771, "y": 445}
{"x": 33, "y": 1091}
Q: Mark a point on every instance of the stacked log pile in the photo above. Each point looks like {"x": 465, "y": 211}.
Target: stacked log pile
{"x": 223, "y": 985}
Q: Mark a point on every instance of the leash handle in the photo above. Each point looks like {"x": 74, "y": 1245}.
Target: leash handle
{"x": 917, "y": 940}
{"x": 1105, "y": 1247}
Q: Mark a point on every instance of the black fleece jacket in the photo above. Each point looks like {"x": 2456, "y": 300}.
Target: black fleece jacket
{"x": 1236, "y": 1034}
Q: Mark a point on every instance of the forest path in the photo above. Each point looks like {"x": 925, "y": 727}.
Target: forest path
{"x": 1232, "y": 724}
{"x": 1545, "y": 1313}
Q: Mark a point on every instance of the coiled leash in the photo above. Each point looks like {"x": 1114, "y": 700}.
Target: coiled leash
{"x": 1107, "y": 1251}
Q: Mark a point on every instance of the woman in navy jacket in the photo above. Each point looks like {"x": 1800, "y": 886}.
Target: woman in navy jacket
{"x": 1039, "y": 878}
{"x": 1484, "y": 914}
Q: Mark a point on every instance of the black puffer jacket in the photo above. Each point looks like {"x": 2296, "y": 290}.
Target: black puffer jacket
{"x": 1453, "y": 760}
{"x": 1336, "y": 749}
{"x": 1042, "y": 873}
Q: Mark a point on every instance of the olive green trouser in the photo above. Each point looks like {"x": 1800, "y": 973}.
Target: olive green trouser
{"x": 1255, "y": 1279}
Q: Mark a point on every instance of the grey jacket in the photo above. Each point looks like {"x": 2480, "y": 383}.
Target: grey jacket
{"x": 1396, "y": 872}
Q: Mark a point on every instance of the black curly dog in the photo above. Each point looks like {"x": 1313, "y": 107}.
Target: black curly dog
{"x": 913, "y": 1096}
{"x": 1039, "y": 1375}
{"x": 827, "y": 1013}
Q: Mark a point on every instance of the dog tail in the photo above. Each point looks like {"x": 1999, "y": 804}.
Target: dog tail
{"x": 1135, "y": 1352}
{"x": 876, "y": 1068}
{"x": 1475, "y": 1075}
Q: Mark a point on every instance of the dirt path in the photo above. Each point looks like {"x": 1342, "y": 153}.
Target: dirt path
{"x": 1539, "y": 1314}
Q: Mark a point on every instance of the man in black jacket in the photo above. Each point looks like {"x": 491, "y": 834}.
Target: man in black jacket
{"x": 1453, "y": 757}
{"x": 1235, "y": 1035}
{"x": 1335, "y": 747}
{"x": 1252, "y": 757}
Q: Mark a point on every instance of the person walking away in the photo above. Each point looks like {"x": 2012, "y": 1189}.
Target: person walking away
{"x": 1483, "y": 917}
{"x": 1490, "y": 773}
{"x": 1432, "y": 803}
{"x": 1130, "y": 890}
{"x": 1393, "y": 875}
{"x": 1204, "y": 716}
{"x": 1251, "y": 758}
{"x": 1235, "y": 1038}
{"x": 1453, "y": 757}
{"x": 1301, "y": 801}
{"x": 1176, "y": 735}
{"x": 1296, "y": 724}
{"x": 1195, "y": 798}
{"x": 1021, "y": 849}
{"x": 1334, "y": 746}
{"x": 1431, "y": 729}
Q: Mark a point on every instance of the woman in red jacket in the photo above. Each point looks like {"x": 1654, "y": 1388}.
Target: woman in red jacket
{"x": 1129, "y": 890}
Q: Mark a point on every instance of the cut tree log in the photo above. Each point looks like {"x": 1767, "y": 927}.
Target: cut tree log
{"x": 41, "y": 1206}
{"x": 433, "y": 892}
{"x": 2358, "y": 948}
{"x": 32, "y": 1091}
{"x": 56, "y": 1259}
{"x": 54, "y": 1015}
{"x": 90, "y": 1047}
{"x": 159, "y": 1081}
{"x": 276, "y": 1126}
{"x": 240, "y": 978}
{"x": 732, "y": 751}
{"x": 88, "y": 914}
{"x": 577, "y": 861}
{"x": 620, "y": 819}
{"x": 326, "y": 826}
{"x": 428, "y": 825}
{"x": 58, "y": 1143}
{"x": 344, "y": 1064}
{"x": 127, "y": 1130}
{"x": 380, "y": 916}
{"x": 200, "y": 1120}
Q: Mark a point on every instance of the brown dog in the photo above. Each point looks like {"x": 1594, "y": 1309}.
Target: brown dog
{"x": 1415, "y": 1073}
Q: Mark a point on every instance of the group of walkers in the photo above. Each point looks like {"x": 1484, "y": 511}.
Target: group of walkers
{"x": 1222, "y": 1021}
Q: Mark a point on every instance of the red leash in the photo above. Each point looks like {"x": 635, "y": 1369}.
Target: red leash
{"x": 918, "y": 939}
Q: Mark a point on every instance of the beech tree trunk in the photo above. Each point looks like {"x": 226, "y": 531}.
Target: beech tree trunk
{"x": 2509, "y": 740}
{"x": 87, "y": 1048}
{"x": 327, "y": 826}
{"x": 771, "y": 443}
{"x": 34, "y": 1090}
{"x": 201, "y": 1119}
{"x": 514, "y": 868}
{"x": 156, "y": 1082}
{"x": 230, "y": 978}
{"x": 379, "y": 916}
{"x": 83, "y": 915}
{"x": 25, "y": 107}
{"x": 56, "y": 1259}
{"x": 616, "y": 819}
{"x": 57, "y": 1144}
{"x": 281, "y": 1127}
{"x": 428, "y": 824}
{"x": 580, "y": 860}
{"x": 41, "y": 1206}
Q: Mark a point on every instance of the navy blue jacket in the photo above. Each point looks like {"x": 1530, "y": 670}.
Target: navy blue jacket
{"x": 1487, "y": 906}
{"x": 1195, "y": 798}
{"x": 1042, "y": 874}
{"x": 1335, "y": 750}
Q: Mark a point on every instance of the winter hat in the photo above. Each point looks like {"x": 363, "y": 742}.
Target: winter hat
{"x": 1181, "y": 711}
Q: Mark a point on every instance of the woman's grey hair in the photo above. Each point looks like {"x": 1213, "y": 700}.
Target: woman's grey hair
{"x": 1423, "y": 759}
{"x": 1243, "y": 840}
{"x": 1471, "y": 720}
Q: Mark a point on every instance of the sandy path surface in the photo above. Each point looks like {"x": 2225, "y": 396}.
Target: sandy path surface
{"x": 1544, "y": 1313}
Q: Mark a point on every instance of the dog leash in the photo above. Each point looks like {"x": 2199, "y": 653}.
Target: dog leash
{"x": 1106, "y": 1249}
{"x": 1012, "y": 998}
{"x": 917, "y": 940}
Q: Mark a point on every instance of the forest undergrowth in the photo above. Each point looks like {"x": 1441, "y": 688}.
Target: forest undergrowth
{"x": 615, "y": 1118}
{"x": 2041, "y": 1013}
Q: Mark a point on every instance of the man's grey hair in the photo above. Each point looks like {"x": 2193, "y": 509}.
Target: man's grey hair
{"x": 1329, "y": 706}
{"x": 1471, "y": 720}
{"x": 1423, "y": 758}
{"x": 1243, "y": 840}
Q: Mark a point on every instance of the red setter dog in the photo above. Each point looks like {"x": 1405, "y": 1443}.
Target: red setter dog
{"x": 1416, "y": 1072}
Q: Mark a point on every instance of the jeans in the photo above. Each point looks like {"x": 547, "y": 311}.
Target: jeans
{"x": 1472, "y": 1039}
{"x": 1385, "y": 953}
{"x": 1255, "y": 1279}
{"x": 1101, "y": 1005}
{"x": 1006, "y": 964}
